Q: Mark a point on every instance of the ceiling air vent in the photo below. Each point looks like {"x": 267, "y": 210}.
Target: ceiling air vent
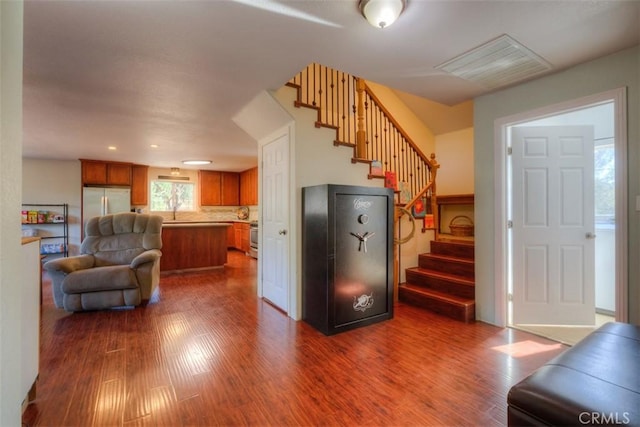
{"x": 497, "y": 63}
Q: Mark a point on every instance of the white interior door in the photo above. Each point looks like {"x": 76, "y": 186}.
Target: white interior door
{"x": 275, "y": 222}
{"x": 553, "y": 225}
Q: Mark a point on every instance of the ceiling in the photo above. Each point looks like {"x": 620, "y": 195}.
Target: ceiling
{"x": 173, "y": 73}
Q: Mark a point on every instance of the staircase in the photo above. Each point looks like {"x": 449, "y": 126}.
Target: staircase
{"x": 444, "y": 281}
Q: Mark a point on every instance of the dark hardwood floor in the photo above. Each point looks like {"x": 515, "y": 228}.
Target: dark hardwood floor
{"x": 209, "y": 352}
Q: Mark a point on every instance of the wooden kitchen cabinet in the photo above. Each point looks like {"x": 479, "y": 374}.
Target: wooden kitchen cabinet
{"x": 195, "y": 245}
{"x": 231, "y": 237}
{"x": 219, "y": 188}
{"x": 98, "y": 172}
{"x": 139, "y": 185}
{"x": 230, "y": 188}
{"x": 210, "y": 188}
{"x": 249, "y": 187}
{"x": 242, "y": 236}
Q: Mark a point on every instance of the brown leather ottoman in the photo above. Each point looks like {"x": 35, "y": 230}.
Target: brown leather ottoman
{"x": 595, "y": 382}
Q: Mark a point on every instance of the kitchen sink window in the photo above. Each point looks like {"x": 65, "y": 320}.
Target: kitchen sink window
{"x": 167, "y": 196}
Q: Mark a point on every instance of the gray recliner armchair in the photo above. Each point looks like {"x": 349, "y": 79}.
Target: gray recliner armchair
{"x": 119, "y": 264}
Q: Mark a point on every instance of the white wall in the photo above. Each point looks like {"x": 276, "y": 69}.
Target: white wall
{"x": 55, "y": 181}
{"x": 621, "y": 69}
{"x": 11, "y": 18}
{"x": 318, "y": 161}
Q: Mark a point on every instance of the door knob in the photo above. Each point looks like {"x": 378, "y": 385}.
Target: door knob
{"x": 590, "y": 236}
{"x": 282, "y": 232}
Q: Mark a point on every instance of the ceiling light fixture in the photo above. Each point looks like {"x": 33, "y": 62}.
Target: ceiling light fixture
{"x": 196, "y": 162}
{"x": 381, "y": 13}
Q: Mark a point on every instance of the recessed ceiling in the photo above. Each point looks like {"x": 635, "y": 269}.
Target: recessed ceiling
{"x": 132, "y": 73}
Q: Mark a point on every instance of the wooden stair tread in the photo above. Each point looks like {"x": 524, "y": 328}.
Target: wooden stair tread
{"x": 343, "y": 144}
{"x": 458, "y": 240}
{"x": 454, "y": 241}
{"x": 440, "y": 275}
{"x": 449, "y": 258}
{"x": 319, "y": 124}
{"x": 441, "y": 296}
{"x": 302, "y": 104}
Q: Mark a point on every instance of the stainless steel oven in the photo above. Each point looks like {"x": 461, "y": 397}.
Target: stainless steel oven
{"x": 253, "y": 239}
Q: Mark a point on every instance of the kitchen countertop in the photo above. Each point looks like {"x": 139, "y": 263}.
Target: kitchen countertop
{"x": 182, "y": 224}
{"x": 26, "y": 240}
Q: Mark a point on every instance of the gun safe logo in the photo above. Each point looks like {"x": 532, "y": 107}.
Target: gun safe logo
{"x": 363, "y": 302}
{"x": 361, "y": 205}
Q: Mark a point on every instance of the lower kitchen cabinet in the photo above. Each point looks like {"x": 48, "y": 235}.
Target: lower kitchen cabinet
{"x": 231, "y": 237}
{"x": 196, "y": 245}
{"x": 242, "y": 231}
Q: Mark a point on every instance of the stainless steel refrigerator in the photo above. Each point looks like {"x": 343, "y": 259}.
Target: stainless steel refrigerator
{"x": 98, "y": 201}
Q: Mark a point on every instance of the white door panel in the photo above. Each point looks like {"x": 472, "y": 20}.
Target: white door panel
{"x": 553, "y": 216}
{"x": 275, "y": 222}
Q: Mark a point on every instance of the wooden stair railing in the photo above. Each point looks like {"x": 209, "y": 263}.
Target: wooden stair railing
{"x": 348, "y": 105}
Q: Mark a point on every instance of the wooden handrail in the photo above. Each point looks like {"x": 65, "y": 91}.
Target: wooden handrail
{"x": 348, "y": 105}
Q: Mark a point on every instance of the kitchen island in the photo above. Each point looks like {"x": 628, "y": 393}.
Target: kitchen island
{"x": 193, "y": 245}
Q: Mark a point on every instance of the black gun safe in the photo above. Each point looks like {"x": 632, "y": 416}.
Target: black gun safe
{"x": 347, "y": 256}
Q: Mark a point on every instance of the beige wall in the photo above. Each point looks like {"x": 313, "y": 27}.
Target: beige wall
{"x": 454, "y": 152}
{"x": 55, "y": 181}
{"x": 412, "y": 125}
{"x": 621, "y": 69}
{"x": 11, "y": 18}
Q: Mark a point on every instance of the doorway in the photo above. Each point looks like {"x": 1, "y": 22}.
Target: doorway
{"x": 605, "y": 241}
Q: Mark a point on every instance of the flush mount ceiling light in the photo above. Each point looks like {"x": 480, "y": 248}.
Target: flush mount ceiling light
{"x": 196, "y": 162}
{"x": 381, "y": 13}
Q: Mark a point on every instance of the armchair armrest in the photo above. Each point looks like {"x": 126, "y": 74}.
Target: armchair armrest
{"x": 146, "y": 256}
{"x": 70, "y": 264}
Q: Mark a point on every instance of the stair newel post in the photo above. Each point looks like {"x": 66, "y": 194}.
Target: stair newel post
{"x": 396, "y": 253}
{"x": 361, "y": 147}
{"x": 433, "y": 171}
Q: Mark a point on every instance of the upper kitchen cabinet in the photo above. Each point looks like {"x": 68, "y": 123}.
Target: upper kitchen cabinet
{"x": 95, "y": 172}
{"x": 139, "y": 185}
{"x": 210, "y": 188}
{"x": 230, "y": 188}
{"x": 249, "y": 187}
{"x": 219, "y": 188}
